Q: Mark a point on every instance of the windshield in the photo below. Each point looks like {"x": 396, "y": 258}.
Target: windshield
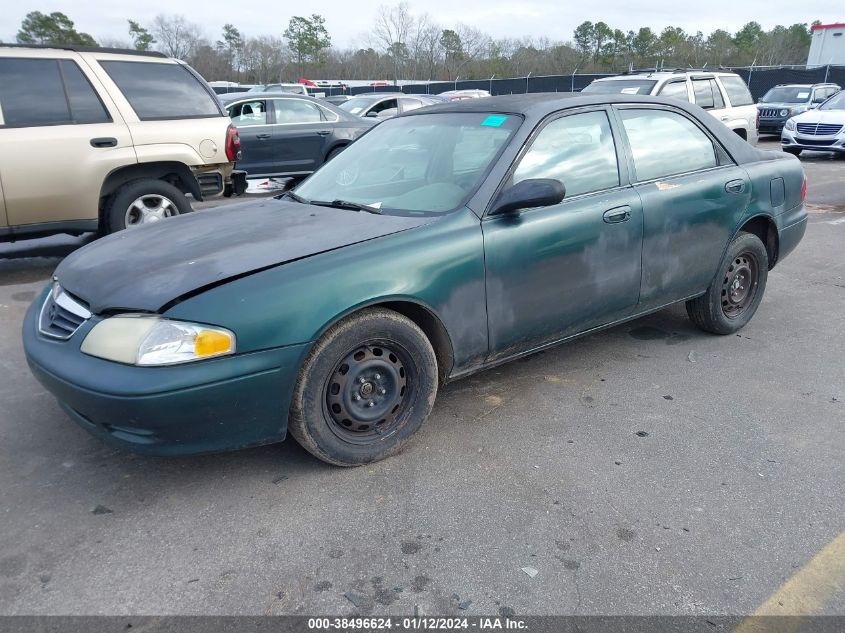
{"x": 836, "y": 102}
{"x": 787, "y": 94}
{"x": 414, "y": 165}
{"x": 356, "y": 106}
{"x": 622, "y": 86}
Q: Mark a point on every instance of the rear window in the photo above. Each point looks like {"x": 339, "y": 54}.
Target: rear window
{"x": 162, "y": 91}
{"x": 737, "y": 90}
{"x": 622, "y": 86}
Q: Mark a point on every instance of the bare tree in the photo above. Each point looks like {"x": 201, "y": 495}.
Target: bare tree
{"x": 176, "y": 36}
{"x": 391, "y": 32}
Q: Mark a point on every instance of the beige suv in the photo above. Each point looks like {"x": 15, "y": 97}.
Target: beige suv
{"x": 103, "y": 139}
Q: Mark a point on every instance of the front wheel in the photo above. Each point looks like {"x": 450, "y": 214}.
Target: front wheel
{"x": 144, "y": 202}
{"x": 736, "y": 292}
{"x": 366, "y": 387}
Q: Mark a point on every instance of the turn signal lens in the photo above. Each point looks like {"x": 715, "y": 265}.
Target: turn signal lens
{"x": 212, "y": 343}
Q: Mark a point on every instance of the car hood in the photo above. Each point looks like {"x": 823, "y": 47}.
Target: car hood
{"x": 821, "y": 116}
{"x": 147, "y": 268}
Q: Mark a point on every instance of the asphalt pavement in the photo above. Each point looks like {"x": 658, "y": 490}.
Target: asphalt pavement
{"x": 647, "y": 469}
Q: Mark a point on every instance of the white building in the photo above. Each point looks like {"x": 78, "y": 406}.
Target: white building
{"x": 827, "y": 45}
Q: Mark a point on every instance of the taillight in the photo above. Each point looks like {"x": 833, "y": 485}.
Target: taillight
{"x": 804, "y": 189}
{"x": 233, "y": 144}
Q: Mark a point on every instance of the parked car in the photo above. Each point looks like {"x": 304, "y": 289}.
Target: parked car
{"x": 384, "y": 105}
{"x": 335, "y": 311}
{"x": 97, "y": 140}
{"x": 457, "y": 95}
{"x": 787, "y": 100}
{"x": 821, "y": 129}
{"x": 295, "y": 89}
{"x": 722, "y": 94}
{"x": 289, "y": 135}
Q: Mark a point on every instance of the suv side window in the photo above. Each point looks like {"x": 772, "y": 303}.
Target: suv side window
{"x": 664, "y": 143}
{"x": 159, "y": 91}
{"x": 578, "y": 150}
{"x": 707, "y": 94}
{"x": 85, "y": 104}
{"x": 675, "y": 90}
{"x": 737, "y": 91}
{"x": 32, "y": 93}
{"x": 409, "y": 104}
{"x": 296, "y": 111}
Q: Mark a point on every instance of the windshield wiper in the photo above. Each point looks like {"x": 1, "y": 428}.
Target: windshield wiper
{"x": 292, "y": 196}
{"x": 345, "y": 204}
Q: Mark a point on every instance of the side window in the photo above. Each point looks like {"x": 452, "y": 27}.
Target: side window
{"x": 32, "y": 93}
{"x": 85, "y": 104}
{"x": 675, "y": 90}
{"x": 702, "y": 88}
{"x": 718, "y": 101}
{"x": 296, "y": 111}
{"x": 737, "y": 91}
{"x": 410, "y": 104}
{"x": 249, "y": 113}
{"x": 577, "y": 150}
{"x": 389, "y": 107}
{"x": 665, "y": 143}
{"x": 158, "y": 91}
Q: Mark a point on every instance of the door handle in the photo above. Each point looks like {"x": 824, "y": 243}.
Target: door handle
{"x": 262, "y": 137}
{"x": 324, "y": 132}
{"x": 616, "y": 215}
{"x": 724, "y": 118}
{"x": 735, "y": 186}
{"x": 104, "y": 141}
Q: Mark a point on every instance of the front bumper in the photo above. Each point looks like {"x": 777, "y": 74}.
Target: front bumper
{"x": 770, "y": 125}
{"x": 791, "y": 139}
{"x": 203, "y": 407}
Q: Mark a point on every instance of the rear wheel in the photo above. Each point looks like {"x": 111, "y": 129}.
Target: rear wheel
{"x": 144, "y": 202}
{"x": 335, "y": 152}
{"x": 734, "y": 295}
{"x": 366, "y": 387}
{"x": 792, "y": 150}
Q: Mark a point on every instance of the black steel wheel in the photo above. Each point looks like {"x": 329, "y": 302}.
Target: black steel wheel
{"x": 735, "y": 294}
{"x": 365, "y": 388}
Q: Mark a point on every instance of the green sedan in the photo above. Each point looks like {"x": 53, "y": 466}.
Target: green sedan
{"x": 443, "y": 242}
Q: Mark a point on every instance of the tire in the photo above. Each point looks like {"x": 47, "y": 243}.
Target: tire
{"x": 375, "y": 356}
{"x": 729, "y": 302}
{"x": 335, "y": 152}
{"x": 135, "y": 203}
{"x": 792, "y": 150}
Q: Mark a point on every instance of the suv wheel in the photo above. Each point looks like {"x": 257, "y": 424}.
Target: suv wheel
{"x": 143, "y": 202}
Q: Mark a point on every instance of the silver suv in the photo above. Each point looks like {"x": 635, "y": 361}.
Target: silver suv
{"x": 103, "y": 139}
{"x": 722, "y": 94}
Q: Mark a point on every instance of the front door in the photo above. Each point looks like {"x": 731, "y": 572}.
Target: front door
{"x": 555, "y": 271}
{"x": 693, "y": 197}
{"x": 256, "y": 133}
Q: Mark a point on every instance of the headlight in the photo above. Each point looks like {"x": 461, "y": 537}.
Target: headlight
{"x": 790, "y": 125}
{"x": 152, "y": 341}
{"x": 784, "y": 112}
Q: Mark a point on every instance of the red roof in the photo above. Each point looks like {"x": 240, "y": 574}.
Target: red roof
{"x": 836, "y": 25}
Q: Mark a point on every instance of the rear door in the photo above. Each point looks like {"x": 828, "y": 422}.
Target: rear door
{"x": 300, "y": 134}
{"x": 58, "y": 141}
{"x": 693, "y": 197}
{"x": 555, "y": 271}
{"x": 255, "y": 130}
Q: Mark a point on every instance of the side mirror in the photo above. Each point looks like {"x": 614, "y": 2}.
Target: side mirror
{"x": 372, "y": 114}
{"x": 534, "y": 192}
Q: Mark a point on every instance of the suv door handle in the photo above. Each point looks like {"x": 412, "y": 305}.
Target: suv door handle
{"x": 262, "y": 137}
{"x": 724, "y": 118}
{"x": 324, "y": 132}
{"x": 105, "y": 141}
{"x": 616, "y": 215}
{"x": 735, "y": 186}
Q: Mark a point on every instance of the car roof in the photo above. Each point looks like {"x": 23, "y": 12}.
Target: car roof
{"x": 378, "y": 95}
{"x": 832, "y": 85}
{"x": 667, "y": 74}
{"x": 230, "y": 97}
{"x": 86, "y": 49}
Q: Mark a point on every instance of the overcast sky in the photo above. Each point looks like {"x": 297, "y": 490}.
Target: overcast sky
{"x": 349, "y": 22}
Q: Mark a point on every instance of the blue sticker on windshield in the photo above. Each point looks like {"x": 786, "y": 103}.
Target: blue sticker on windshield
{"x": 494, "y": 120}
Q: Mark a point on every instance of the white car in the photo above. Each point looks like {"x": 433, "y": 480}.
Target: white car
{"x": 722, "y": 94}
{"x": 821, "y": 129}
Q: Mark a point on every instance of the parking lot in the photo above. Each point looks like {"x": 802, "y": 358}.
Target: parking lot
{"x": 647, "y": 469}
